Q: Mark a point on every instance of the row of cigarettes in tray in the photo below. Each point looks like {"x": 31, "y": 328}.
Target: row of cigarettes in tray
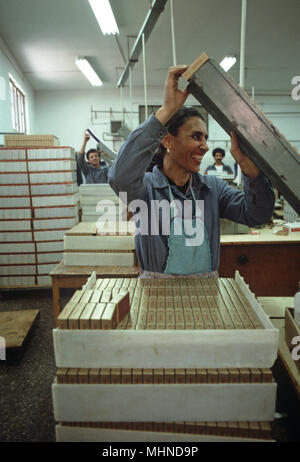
{"x": 162, "y": 376}
{"x": 109, "y": 309}
{"x": 260, "y": 430}
{"x": 84, "y": 312}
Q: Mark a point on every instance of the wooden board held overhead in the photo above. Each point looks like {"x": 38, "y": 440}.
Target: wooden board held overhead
{"x": 235, "y": 111}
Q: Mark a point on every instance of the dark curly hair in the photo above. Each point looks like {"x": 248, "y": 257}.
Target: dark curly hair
{"x": 220, "y": 150}
{"x": 178, "y": 119}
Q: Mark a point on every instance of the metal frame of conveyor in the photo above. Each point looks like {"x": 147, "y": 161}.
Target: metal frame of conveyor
{"x": 106, "y": 152}
{"x": 235, "y": 111}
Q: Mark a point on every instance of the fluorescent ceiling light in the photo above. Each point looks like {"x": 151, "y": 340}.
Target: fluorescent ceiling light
{"x": 88, "y": 71}
{"x": 228, "y": 62}
{"x": 104, "y": 15}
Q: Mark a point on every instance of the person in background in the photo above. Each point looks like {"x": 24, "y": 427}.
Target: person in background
{"x": 218, "y": 166}
{"x": 178, "y": 135}
{"x": 94, "y": 170}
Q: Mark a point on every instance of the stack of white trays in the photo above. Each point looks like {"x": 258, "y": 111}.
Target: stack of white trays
{"x": 100, "y": 244}
{"x": 191, "y": 362}
{"x": 39, "y": 202}
{"x": 97, "y": 200}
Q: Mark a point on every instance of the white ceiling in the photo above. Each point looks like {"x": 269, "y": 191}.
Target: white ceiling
{"x": 45, "y": 36}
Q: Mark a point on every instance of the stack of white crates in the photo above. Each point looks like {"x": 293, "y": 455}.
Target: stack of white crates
{"x": 95, "y": 244}
{"x": 99, "y": 199}
{"x": 190, "y": 362}
{"x": 39, "y": 202}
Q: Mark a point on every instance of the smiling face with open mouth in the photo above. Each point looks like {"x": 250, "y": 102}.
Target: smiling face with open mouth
{"x": 189, "y": 146}
{"x": 94, "y": 159}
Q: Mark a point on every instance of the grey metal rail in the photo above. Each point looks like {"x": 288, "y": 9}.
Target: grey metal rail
{"x": 146, "y": 29}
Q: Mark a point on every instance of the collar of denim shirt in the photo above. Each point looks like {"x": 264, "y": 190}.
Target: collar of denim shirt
{"x": 159, "y": 180}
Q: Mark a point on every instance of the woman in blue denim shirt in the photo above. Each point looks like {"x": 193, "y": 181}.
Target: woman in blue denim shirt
{"x": 177, "y": 138}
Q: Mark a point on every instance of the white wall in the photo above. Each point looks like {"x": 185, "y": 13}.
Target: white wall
{"x": 68, "y": 114}
{"x": 8, "y": 66}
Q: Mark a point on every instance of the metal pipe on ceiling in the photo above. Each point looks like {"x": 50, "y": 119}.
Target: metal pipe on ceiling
{"x": 242, "y": 66}
{"x": 145, "y": 76}
{"x": 242, "y": 44}
{"x": 130, "y": 95}
{"x": 146, "y": 29}
{"x": 122, "y": 101}
{"x": 173, "y": 33}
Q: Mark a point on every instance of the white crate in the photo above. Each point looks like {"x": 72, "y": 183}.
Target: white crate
{"x": 71, "y": 434}
{"x": 17, "y": 281}
{"x": 51, "y": 165}
{"x": 46, "y": 153}
{"x": 99, "y": 259}
{"x": 166, "y": 348}
{"x": 12, "y": 154}
{"x": 164, "y": 403}
{"x": 44, "y": 280}
{"x": 47, "y": 268}
{"x": 49, "y": 257}
{"x": 15, "y": 225}
{"x": 13, "y": 202}
{"x": 110, "y": 201}
{"x": 13, "y": 178}
{"x": 94, "y": 243}
{"x": 53, "y": 177}
{"x": 99, "y": 190}
{"x": 16, "y": 237}
{"x": 60, "y": 188}
{"x": 56, "y": 235}
{"x": 89, "y": 209}
{"x": 22, "y": 258}
{"x": 89, "y": 218}
{"x": 221, "y": 348}
{"x": 18, "y": 270}
{"x": 14, "y": 190}
{"x": 17, "y": 248}
{"x": 17, "y": 214}
{"x": 44, "y": 201}
{"x": 53, "y": 223}
{"x": 92, "y": 218}
{"x": 50, "y": 246}
{"x": 16, "y": 166}
{"x": 57, "y": 212}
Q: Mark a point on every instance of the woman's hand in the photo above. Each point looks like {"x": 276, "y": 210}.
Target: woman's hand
{"x": 247, "y": 166}
{"x": 173, "y": 97}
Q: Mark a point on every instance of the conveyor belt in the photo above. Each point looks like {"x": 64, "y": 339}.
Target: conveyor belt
{"x": 235, "y": 111}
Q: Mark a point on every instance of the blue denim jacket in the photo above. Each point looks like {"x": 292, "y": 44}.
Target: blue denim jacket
{"x": 253, "y": 206}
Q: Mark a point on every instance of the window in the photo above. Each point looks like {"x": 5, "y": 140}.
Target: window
{"x": 18, "y": 106}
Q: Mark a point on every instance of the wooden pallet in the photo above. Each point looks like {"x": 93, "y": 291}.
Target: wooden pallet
{"x": 16, "y": 327}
